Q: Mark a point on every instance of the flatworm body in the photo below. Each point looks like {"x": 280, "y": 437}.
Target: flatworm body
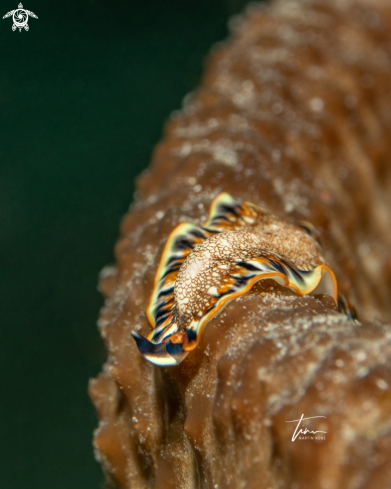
{"x": 204, "y": 268}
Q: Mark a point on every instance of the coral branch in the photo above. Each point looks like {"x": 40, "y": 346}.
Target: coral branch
{"x": 293, "y": 115}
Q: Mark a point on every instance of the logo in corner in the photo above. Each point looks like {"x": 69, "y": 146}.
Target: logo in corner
{"x": 20, "y": 17}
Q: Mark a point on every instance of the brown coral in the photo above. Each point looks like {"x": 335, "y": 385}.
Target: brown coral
{"x": 294, "y": 114}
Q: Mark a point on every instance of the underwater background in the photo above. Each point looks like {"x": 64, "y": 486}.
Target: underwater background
{"x": 83, "y": 98}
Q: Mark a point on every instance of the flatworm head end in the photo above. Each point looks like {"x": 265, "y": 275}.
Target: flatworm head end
{"x": 166, "y": 354}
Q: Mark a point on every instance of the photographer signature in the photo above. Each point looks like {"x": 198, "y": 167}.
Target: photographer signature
{"x": 298, "y": 431}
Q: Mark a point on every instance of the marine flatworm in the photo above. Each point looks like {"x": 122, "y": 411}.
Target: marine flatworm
{"x": 204, "y": 268}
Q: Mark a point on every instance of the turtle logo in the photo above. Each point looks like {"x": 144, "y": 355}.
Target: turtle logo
{"x": 20, "y": 17}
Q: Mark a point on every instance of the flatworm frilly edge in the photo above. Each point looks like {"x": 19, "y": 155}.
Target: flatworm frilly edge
{"x": 204, "y": 268}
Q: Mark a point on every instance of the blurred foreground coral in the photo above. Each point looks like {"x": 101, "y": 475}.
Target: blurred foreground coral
{"x": 294, "y": 114}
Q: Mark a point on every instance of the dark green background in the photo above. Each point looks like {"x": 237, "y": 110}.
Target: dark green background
{"x": 83, "y": 98}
